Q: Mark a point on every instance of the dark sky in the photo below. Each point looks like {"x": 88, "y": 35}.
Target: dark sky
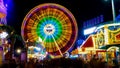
{"x": 81, "y": 9}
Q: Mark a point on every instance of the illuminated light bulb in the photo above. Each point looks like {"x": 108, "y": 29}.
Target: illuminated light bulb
{"x": 3, "y": 35}
{"x": 18, "y": 51}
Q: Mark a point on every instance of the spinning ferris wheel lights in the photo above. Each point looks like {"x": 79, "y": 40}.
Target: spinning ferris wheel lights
{"x": 51, "y": 24}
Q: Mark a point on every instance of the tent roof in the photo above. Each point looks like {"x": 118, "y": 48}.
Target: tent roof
{"x": 88, "y": 42}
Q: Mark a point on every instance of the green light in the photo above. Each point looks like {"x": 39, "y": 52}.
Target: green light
{"x": 46, "y": 21}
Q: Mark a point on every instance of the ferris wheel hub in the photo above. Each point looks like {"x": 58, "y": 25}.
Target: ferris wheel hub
{"x": 49, "y": 29}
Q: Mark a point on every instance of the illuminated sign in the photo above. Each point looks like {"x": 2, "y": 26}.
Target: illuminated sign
{"x": 93, "y": 21}
{"x": 89, "y": 30}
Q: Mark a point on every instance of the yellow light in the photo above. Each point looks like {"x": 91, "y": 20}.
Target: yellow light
{"x": 115, "y": 24}
{"x": 18, "y": 51}
{"x": 40, "y": 40}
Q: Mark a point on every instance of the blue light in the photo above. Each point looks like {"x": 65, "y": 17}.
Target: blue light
{"x": 80, "y": 41}
{"x": 73, "y": 56}
{"x": 9, "y": 4}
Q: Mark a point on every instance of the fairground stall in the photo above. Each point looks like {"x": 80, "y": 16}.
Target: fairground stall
{"x": 36, "y": 51}
{"x": 6, "y": 44}
{"x": 104, "y": 42}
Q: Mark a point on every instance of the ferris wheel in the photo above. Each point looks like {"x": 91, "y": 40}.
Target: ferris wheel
{"x": 53, "y": 25}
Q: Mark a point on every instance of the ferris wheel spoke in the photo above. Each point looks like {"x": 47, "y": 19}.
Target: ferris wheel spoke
{"x": 57, "y": 45}
{"x": 45, "y": 38}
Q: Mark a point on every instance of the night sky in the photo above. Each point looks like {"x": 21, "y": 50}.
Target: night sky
{"x": 81, "y": 9}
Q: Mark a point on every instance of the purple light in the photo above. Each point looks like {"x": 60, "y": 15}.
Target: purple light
{"x": 6, "y": 5}
{"x": 2, "y": 9}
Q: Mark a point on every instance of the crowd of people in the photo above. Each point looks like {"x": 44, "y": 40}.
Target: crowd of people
{"x": 63, "y": 62}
